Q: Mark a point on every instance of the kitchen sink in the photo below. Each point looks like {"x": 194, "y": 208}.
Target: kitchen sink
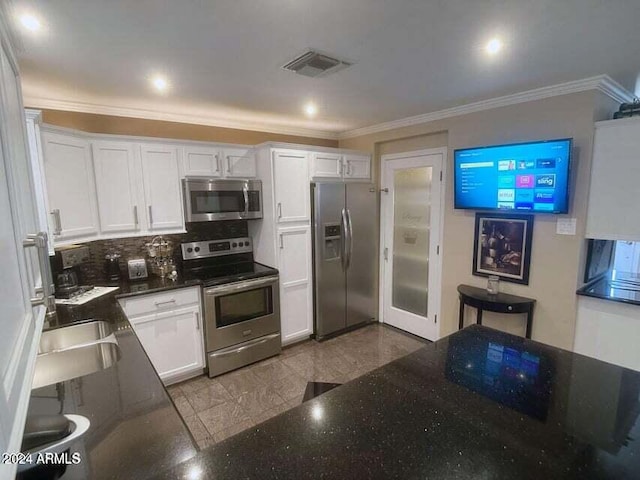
{"x": 73, "y": 336}
{"x": 74, "y": 351}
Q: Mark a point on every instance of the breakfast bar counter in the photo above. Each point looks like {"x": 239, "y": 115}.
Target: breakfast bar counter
{"x": 477, "y": 404}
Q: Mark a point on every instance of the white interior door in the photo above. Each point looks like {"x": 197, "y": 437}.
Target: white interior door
{"x": 410, "y": 236}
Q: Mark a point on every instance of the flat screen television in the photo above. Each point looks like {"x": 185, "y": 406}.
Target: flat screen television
{"x": 530, "y": 177}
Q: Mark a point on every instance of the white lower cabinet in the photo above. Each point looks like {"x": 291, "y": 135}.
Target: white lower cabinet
{"x": 170, "y": 332}
{"x": 296, "y": 285}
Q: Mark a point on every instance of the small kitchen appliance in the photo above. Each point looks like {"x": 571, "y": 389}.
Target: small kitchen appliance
{"x": 137, "y": 269}
{"x": 66, "y": 261}
{"x": 112, "y": 266}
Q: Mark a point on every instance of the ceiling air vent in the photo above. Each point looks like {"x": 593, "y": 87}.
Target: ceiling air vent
{"x": 315, "y": 64}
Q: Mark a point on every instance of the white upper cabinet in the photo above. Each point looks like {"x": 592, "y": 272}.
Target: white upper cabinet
{"x": 357, "y": 167}
{"x": 201, "y": 161}
{"x": 239, "y": 162}
{"x": 162, "y": 190}
{"x": 70, "y": 186}
{"x": 326, "y": 166}
{"x": 336, "y": 166}
{"x": 615, "y": 175}
{"x": 291, "y": 186}
{"x": 116, "y": 186}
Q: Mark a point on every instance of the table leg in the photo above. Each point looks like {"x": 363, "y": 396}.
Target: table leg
{"x": 461, "y": 316}
{"x": 479, "y": 317}
{"x": 529, "y": 322}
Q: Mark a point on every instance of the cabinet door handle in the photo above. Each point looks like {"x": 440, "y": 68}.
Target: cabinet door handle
{"x": 57, "y": 221}
{"x": 135, "y": 215}
{"x": 197, "y": 315}
{"x": 281, "y": 242}
{"x": 217, "y": 157}
{"x": 348, "y": 167}
{"x": 166, "y": 302}
{"x": 228, "y": 164}
{"x": 150, "y": 215}
{"x": 39, "y": 241}
{"x": 279, "y": 209}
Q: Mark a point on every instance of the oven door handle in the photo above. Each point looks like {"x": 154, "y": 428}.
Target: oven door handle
{"x": 251, "y": 343}
{"x": 234, "y": 287}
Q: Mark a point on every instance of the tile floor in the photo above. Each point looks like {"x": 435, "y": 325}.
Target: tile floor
{"x": 217, "y": 408}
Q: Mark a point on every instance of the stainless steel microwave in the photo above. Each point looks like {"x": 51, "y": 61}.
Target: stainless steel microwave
{"x": 211, "y": 199}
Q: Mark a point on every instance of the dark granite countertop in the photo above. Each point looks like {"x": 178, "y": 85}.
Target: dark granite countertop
{"x": 153, "y": 284}
{"x": 477, "y": 404}
{"x": 135, "y": 431}
{"x": 623, "y": 288}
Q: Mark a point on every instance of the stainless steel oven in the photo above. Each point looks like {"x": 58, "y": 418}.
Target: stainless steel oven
{"x": 242, "y": 323}
{"x": 210, "y": 199}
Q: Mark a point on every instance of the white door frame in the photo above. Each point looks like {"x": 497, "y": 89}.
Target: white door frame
{"x": 438, "y": 284}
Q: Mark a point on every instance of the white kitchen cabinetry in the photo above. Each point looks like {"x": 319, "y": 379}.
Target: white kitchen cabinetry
{"x": 218, "y": 162}
{"x": 291, "y": 186}
{"x": 21, "y": 318}
{"x": 70, "y": 186}
{"x": 283, "y": 237}
{"x": 239, "y": 162}
{"x": 615, "y": 175}
{"x": 201, "y": 162}
{"x": 116, "y": 186}
{"x": 162, "y": 190}
{"x": 338, "y": 166}
{"x": 169, "y": 327}
{"x": 296, "y": 289}
{"x": 357, "y": 167}
{"x": 326, "y": 166}
{"x": 608, "y": 331}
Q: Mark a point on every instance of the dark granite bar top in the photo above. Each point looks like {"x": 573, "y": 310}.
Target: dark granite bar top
{"x": 477, "y": 404}
{"x": 624, "y": 288}
{"x": 135, "y": 431}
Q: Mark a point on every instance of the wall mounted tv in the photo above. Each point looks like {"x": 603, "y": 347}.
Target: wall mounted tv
{"x": 530, "y": 177}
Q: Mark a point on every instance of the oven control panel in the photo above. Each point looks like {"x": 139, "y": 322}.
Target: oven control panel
{"x": 216, "y": 248}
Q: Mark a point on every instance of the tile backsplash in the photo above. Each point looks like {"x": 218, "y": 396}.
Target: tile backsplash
{"x": 92, "y": 271}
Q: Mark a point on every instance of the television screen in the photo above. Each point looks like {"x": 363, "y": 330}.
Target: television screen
{"x": 531, "y": 177}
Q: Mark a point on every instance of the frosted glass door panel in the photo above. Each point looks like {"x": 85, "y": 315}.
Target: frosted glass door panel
{"x": 411, "y": 222}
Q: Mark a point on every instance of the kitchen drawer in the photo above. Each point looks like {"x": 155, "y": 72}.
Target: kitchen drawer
{"x": 159, "y": 302}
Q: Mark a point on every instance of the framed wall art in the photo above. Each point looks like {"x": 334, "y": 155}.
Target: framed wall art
{"x": 502, "y": 246}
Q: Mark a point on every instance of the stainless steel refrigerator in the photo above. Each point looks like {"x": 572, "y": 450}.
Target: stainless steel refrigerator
{"x": 345, "y": 254}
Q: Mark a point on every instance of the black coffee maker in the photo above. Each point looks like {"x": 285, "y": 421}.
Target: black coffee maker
{"x": 65, "y": 264}
{"x": 112, "y": 266}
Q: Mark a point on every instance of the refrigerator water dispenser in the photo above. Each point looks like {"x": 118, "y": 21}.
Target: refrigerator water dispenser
{"x": 332, "y": 241}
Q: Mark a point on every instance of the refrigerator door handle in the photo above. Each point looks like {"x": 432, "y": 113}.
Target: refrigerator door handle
{"x": 349, "y": 229}
{"x": 343, "y": 239}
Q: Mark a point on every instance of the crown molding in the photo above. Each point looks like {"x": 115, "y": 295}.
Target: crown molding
{"x": 602, "y": 83}
{"x": 83, "y": 107}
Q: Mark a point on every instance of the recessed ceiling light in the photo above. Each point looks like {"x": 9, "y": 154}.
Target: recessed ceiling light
{"x": 30, "y": 22}
{"x": 160, "y": 83}
{"x": 310, "y": 109}
{"x": 493, "y": 46}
